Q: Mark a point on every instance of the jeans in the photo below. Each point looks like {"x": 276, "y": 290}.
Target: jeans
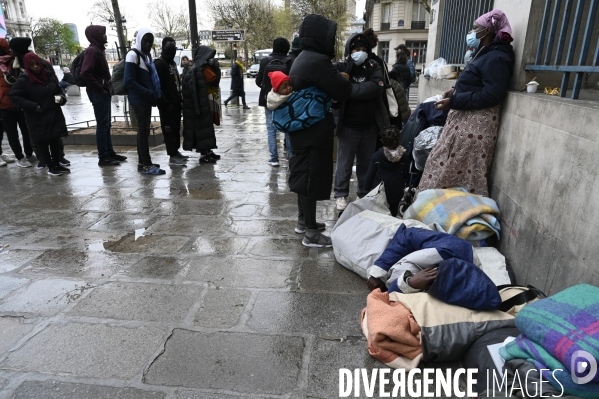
{"x": 102, "y": 112}
{"x": 359, "y": 144}
{"x": 51, "y": 157}
{"x": 143, "y": 114}
{"x": 10, "y": 120}
{"x": 306, "y": 209}
{"x": 272, "y": 137}
{"x": 170, "y": 122}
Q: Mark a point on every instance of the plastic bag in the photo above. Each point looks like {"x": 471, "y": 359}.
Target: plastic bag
{"x": 423, "y": 145}
{"x": 432, "y": 70}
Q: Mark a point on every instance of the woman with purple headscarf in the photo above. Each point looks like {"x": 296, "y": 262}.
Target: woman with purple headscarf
{"x": 464, "y": 152}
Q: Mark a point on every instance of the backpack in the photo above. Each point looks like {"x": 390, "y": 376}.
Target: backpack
{"x": 118, "y": 76}
{"x": 272, "y": 66}
{"x": 76, "y": 68}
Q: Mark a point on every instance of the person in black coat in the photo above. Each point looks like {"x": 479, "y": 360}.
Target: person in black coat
{"x": 198, "y": 121}
{"x": 67, "y": 78}
{"x": 311, "y": 162}
{"x": 403, "y": 70}
{"x": 40, "y": 97}
{"x": 237, "y": 86}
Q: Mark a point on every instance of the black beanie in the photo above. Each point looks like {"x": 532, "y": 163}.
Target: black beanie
{"x": 359, "y": 41}
{"x": 20, "y": 45}
{"x": 280, "y": 45}
{"x": 168, "y": 39}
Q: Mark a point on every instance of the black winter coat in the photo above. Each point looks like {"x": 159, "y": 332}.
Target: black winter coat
{"x": 485, "y": 80}
{"x": 237, "y": 88}
{"x": 311, "y": 162}
{"x": 403, "y": 73}
{"x": 170, "y": 82}
{"x": 395, "y": 175}
{"x": 261, "y": 75}
{"x": 198, "y": 124}
{"x": 68, "y": 77}
{"x": 49, "y": 124}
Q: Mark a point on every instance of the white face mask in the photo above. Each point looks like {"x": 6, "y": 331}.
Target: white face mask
{"x": 359, "y": 57}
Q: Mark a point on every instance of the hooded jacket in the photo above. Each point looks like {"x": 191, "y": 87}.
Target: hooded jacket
{"x": 138, "y": 78}
{"x": 485, "y": 80}
{"x": 311, "y": 162}
{"x": 367, "y": 85}
{"x": 94, "y": 69}
{"x": 6, "y": 66}
{"x": 198, "y": 124}
{"x": 279, "y": 52}
{"x": 170, "y": 81}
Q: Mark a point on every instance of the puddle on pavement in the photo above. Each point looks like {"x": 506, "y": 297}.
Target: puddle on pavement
{"x": 96, "y": 247}
{"x": 139, "y": 233}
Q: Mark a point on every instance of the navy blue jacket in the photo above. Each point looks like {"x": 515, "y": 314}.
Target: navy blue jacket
{"x": 485, "y": 80}
{"x": 138, "y": 82}
{"x": 395, "y": 175}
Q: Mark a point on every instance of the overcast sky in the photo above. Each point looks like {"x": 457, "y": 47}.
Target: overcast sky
{"x": 135, "y": 12}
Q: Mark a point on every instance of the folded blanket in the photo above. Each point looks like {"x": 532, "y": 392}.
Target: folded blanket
{"x": 392, "y": 333}
{"x": 457, "y": 212}
{"x": 554, "y": 329}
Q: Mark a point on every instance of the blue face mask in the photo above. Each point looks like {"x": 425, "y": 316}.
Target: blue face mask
{"x": 359, "y": 57}
{"x": 472, "y": 41}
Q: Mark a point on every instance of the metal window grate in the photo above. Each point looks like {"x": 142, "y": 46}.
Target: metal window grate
{"x": 385, "y": 25}
{"x": 457, "y": 22}
{"x": 418, "y": 24}
{"x": 579, "y": 43}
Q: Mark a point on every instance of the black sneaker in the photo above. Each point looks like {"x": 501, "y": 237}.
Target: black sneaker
{"x": 301, "y": 227}
{"x": 64, "y": 162}
{"x": 118, "y": 157}
{"x": 140, "y": 167}
{"x": 213, "y": 155}
{"x": 54, "y": 172}
{"x": 179, "y": 155}
{"x": 41, "y": 165}
{"x": 314, "y": 239}
{"x": 63, "y": 169}
{"x": 207, "y": 159}
{"x": 107, "y": 161}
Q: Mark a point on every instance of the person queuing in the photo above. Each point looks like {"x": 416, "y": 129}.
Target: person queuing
{"x": 463, "y": 155}
{"x": 402, "y": 70}
{"x": 96, "y": 74}
{"x": 11, "y": 115}
{"x": 311, "y": 161}
{"x": 67, "y": 78}
{"x": 186, "y": 65}
{"x": 237, "y": 86}
{"x": 200, "y": 85}
{"x": 170, "y": 103}
{"x": 276, "y": 61}
{"x": 19, "y": 46}
{"x": 404, "y": 49}
{"x": 360, "y": 117}
{"x": 39, "y": 95}
{"x": 143, "y": 89}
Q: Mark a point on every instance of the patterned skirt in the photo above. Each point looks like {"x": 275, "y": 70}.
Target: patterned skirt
{"x": 463, "y": 155}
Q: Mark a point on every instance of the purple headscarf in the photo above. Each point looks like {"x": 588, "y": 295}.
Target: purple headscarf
{"x": 497, "y": 21}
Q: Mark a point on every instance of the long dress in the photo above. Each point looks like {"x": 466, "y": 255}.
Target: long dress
{"x": 462, "y": 157}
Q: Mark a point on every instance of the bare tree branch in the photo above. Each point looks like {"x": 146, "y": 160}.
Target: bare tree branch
{"x": 171, "y": 21}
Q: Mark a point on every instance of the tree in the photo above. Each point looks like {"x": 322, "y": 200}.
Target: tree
{"x": 168, "y": 20}
{"x": 101, "y": 12}
{"x": 52, "y": 37}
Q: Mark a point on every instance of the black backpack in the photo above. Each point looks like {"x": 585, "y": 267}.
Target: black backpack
{"x": 118, "y": 76}
{"x": 272, "y": 66}
{"x": 76, "y": 68}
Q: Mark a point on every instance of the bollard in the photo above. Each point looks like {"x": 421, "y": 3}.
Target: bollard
{"x": 235, "y": 100}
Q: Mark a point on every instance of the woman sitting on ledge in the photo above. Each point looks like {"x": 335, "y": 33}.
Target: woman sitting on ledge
{"x": 463, "y": 154}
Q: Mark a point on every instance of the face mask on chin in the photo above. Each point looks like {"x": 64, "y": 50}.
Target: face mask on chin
{"x": 359, "y": 57}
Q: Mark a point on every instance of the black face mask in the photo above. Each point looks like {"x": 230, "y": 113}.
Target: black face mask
{"x": 169, "y": 53}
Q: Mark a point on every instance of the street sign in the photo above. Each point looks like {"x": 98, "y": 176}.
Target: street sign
{"x": 228, "y": 35}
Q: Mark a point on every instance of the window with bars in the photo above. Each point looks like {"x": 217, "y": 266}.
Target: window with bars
{"x": 418, "y": 49}
{"x": 385, "y": 16}
{"x": 5, "y": 10}
{"x": 419, "y": 15}
{"x": 384, "y": 51}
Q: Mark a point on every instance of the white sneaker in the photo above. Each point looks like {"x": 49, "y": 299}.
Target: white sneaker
{"x": 2, "y": 163}
{"x": 7, "y": 158}
{"x": 24, "y": 163}
{"x": 341, "y": 203}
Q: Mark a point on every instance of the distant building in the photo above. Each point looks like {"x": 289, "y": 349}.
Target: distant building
{"x": 73, "y": 29}
{"x": 16, "y": 18}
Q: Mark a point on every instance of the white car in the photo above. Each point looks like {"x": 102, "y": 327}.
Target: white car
{"x": 253, "y": 71}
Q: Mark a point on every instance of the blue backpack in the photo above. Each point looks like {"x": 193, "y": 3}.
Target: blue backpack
{"x": 302, "y": 109}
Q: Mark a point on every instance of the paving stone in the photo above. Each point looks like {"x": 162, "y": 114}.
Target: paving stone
{"x": 241, "y": 272}
{"x": 159, "y": 193}
{"x": 221, "y": 308}
{"x": 13, "y": 234}
{"x": 148, "y": 244}
{"x": 103, "y": 181}
{"x": 210, "y": 395}
{"x": 272, "y": 199}
{"x": 8, "y": 284}
{"x": 190, "y": 225}
{"x": 63, "y": 238}
{"x": 265, "y": 228}
{"x": 11, "y": 259}
{"x": 144, "y": 302}
{"x": 330, "y": 276}
{"x": 12, "y": 329}
{"x": 78, "y": 264}
{"x": 43, "y": 297}
{"x": 159, "y": 267}
{"x": 283, "y": 211}
{"x": 51, "y": 202}
{"x": 61, "y": 219}
{"x": 280, "y": 248}
{"x": 328, "y": 314}
{"x": 88, "y": 350}
{"x": 219, "y": 246}
{"x": 245, "y": 363}
{"x": 124, "y": 222}
{"x": 244, "y": 210}
{"x": 63, "y": 390}
{"x": 188, "y": 207}
{"x": 119, "y": 204}
{"x": 115, "y": 192}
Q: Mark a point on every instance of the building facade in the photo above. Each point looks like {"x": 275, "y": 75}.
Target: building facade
{"x": 73, "y": 29}
{"x": 399, "y": 22}
{"x": 16, "y": 18}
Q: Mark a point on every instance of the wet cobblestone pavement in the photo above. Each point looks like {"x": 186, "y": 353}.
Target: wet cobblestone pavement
{"x": 190, "y": 285}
